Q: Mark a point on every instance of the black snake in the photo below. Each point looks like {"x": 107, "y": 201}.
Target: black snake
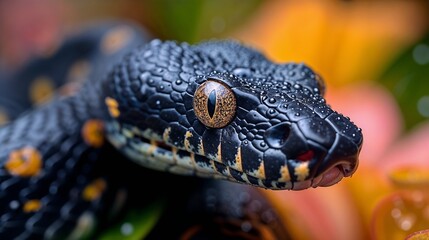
{"x": 218, "y": 109}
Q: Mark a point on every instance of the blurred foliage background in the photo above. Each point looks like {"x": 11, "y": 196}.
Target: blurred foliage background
{"x": 373, "y": 55}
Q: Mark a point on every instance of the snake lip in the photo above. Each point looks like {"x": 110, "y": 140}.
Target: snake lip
{"x": 334, "y": 175}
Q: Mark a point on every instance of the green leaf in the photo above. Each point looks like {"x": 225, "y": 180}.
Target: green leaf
{"x": 195, "y": 20}
{"x": 408, "y": 79}
{"x": 137, "y": 223}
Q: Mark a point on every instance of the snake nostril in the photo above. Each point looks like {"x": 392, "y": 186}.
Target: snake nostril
{"x": 277, "y": 135}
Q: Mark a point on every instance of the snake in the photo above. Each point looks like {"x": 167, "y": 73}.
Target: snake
{"x": 161, "y": 114}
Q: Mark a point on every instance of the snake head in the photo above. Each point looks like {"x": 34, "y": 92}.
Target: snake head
{"x": 220, "y": 109}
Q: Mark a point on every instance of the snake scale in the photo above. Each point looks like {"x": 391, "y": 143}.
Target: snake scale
{"x": 214, "y": 110}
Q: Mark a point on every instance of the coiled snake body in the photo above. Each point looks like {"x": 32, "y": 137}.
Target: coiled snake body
{"x": 213, "y": 110}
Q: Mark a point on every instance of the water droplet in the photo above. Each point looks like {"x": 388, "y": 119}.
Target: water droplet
{"x": 292, "y": 96}
{"x": 297, "y": 86}
{"x": 421, "y": 54}
{"x": 245, "y": 142}
{"x": 396, "y": 213}
{"x": 158, "y": 102}
{"x": 272, "y": 100}
{"x": 178, "y": 82}
{"x": 263, "y": 144}
{"x": 297, "y": 114}
{"x": 407, "y": 222}
{"x": 423, "y": 106}
{"x": 14, "y": 204}
{"x": 127, "y": 229}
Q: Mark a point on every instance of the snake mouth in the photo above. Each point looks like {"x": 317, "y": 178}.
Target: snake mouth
{"x": 333, "y": 175}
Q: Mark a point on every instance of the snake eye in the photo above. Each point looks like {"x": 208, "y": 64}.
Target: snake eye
{"x": 214, "y": 104}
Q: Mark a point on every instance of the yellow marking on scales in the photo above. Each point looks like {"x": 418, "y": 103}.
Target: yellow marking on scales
{"x": 192, "y": 157}
{"x": 201, "y": 147}
{"x": 94, "y": 190}
{"x": 184, "y": 161}
{"x": 219, "y": 152}
{"x": 4, "y": 118}
{"x": 152, "y": 148}
{"x": 166, "y": 135}
{"x": 24, "y": 162}
{"x": 93, "y": 133}
{"x": 41, "y": 90}
{"x": 302, "y": 171}
{"x": 258, "y": 173}
{"x": 33, "y": 205}
{"x": 187, "y": 144}
{"x": 238, "y": 161}
{"x": 176, "y": 158}
{"x": 261, "y": 171}
{"x": 285, "y": 175}
{"x": 113, "y": 107}
{"x": 116, "y": 39}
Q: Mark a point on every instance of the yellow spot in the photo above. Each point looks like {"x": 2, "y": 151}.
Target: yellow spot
{"x": 116, "y": 39}
{"x": 285, "y": 176}
{"x": 113, "y": 107}
{"x": 32, "y": 206}
{"x": 166, "y": 135}
{"x": 25, "y": 162}
{"x": 41, "y": 90}
{"x": 94, "y": 190}
{"x": 187, "y": 143}
{"x": 238, "y": 162}
{"x": 261, "y": 171}
{"x": 78, "y": 72}
{"x": 302, "y": 171}
{"x": 3, "y": 117}
{"x": 92, "y": 133}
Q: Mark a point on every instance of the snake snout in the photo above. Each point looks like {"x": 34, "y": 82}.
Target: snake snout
{"x": 341, "y": 161}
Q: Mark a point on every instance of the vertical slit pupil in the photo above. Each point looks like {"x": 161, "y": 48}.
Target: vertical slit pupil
{"x": 211, "y": 103}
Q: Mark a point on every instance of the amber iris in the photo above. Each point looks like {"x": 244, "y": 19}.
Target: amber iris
{"x": 214, "y": 104}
